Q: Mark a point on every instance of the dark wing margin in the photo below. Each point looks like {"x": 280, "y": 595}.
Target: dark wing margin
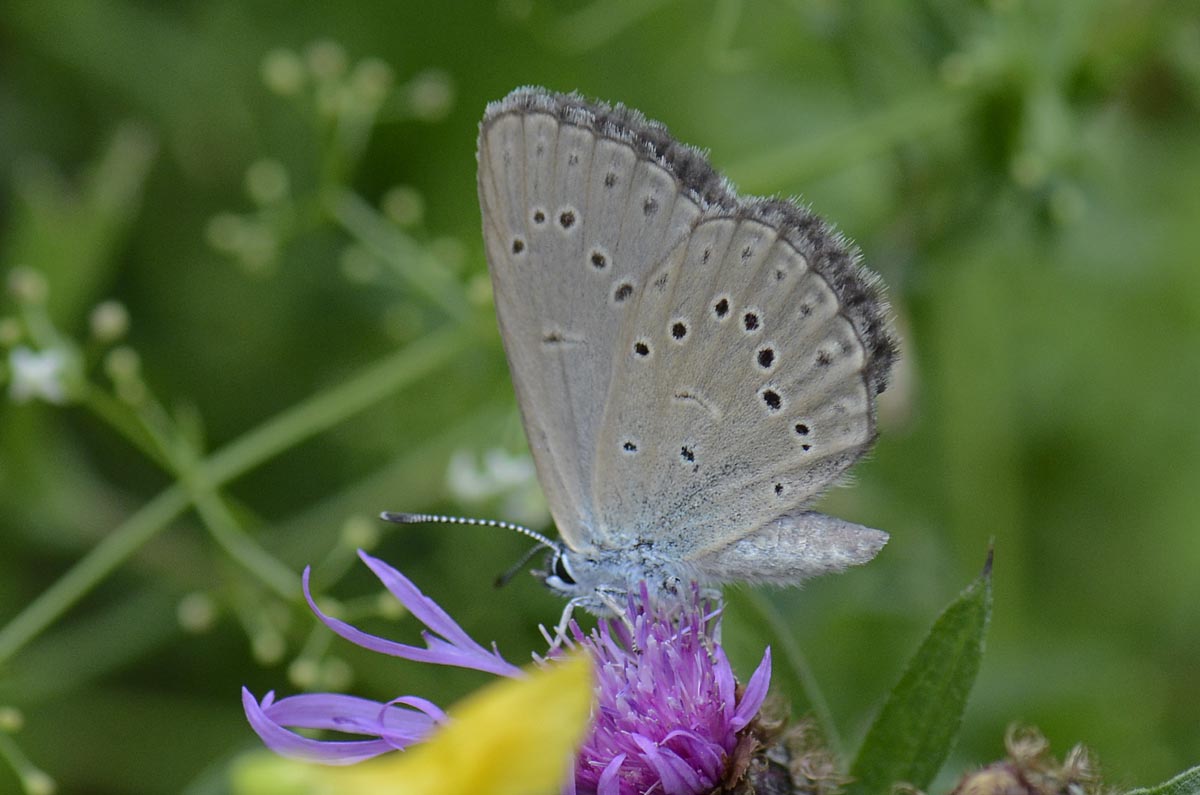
{"x": 829, "y": 252}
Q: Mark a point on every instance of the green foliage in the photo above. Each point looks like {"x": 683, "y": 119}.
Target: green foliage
{"x": 917, "y": 727}
{"x": 1186, "y": 783}
{"x": 241, "y": 243}
{"x": 752, "y": 622}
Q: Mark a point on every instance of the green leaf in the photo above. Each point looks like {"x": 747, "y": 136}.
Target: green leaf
{"x": 911, "y": 737}
{"x": 1186, "y": 783}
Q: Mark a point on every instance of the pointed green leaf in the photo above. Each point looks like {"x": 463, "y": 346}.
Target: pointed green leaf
{"x": 1186, "y": 783}
{"x": 916, "y": 728}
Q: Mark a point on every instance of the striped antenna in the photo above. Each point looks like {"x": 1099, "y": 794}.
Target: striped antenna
{"x": 430, "y": 518}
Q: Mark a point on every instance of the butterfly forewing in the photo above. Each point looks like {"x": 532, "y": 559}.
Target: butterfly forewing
{"x": 573, "y": 218}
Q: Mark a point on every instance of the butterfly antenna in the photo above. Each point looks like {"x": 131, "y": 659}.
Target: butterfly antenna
{"x": 429, "y": 518}
{"x": 505, "y": 578}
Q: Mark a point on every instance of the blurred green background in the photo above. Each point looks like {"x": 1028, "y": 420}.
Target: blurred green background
{"x": 241, "y": 244}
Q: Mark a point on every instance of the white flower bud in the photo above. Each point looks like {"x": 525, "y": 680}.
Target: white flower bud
{"x": 326, "y": 59}
{"x": 370, "y": 81}
{"x": 404, "y": 206}
{"x": 27, "y": 285}
{"x": 267, "y": 181}
{"x": 12, "y": 719}
{"x": 359, "y": 532}
{"x": 282, "y": 72}
{"x": 109, "y": 321}
{"x": 196, "y": 612}
{"x": 431, "y": 95}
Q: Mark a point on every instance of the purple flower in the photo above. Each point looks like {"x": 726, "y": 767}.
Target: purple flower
{"x": 669, "y": 716}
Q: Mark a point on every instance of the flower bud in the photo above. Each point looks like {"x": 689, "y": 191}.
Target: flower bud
{"x": 282, "y": 72}
{"x": 1031, "y": 770}
{"x": 11, "y": 719}
{"x": 109, "y": 321}
{"x": 370, "y": 81}
{"x": 38, "y": 782}
{"x": 196, "y": 612}
{"x": 404, "y": 206}
{"x": 27, "y": 285}
{"x": 326, "y": 59}
{"x": 304, "y": 673}
{"x": 431, "y": 95}
{"x": 267, "y": 181}
{"x": 359, "y": 532}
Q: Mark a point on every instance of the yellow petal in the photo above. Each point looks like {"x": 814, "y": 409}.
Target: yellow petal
{"x": 513, "y": 737}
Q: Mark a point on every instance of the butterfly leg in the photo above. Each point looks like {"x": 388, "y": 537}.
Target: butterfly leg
{"x": 564, "y": 623}
{"x": 609, "y": 599}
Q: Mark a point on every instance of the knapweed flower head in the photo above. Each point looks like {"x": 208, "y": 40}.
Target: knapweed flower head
{"x": 669, "y": 715}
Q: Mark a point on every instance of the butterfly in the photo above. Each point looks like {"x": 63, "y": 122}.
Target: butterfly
{"x": 693, "y": 367}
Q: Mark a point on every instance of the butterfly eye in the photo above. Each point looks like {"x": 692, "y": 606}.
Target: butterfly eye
{"x": 561, "y": 571}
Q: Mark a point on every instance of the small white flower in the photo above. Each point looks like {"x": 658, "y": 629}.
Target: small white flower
{"x": 109, "y": 321}
{"x": 283, "y": 72}
{"x": 465, "y": 479}
{"x": 501, "y": 472}
{"x": 267, "y": 181}
{"x": 37, "y": 374}
{"x": 431, "y": 95}
{"x": 508, "y": 470}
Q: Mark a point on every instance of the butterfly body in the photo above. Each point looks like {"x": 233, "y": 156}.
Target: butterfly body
{"x": 693, "y": 368}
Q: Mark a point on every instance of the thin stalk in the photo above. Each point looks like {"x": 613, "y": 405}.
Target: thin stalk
{"x": 112, "y": 550}
{"x": 184, "y": 461}
{"x": 229, "y": 535}
{"x": 796, "y": 660}
{"x": 119, "y": 417}
{"x": 32, "y": 779}
{"x": 411, "y": 260}
{"x": 327, "y": 409}
{"x": 869, "y": 137}
{"x": 289, "y": 428}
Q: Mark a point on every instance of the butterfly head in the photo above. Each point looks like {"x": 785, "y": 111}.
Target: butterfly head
{"x": 559, "y": 575}
{"x": 594, "y": 580}
{"x": 599, "y": 581}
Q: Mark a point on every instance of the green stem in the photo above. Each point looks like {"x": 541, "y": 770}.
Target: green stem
{"x": 92, "y": 568}
{"x": 869, "y": 137}
{"x": 185, "y": 462}
{"x": 176, "y": 455}
{"x": 599, "y": 22}
{"x": 796, "y": 660}
{"x": 412, "y": 261}
{"x": 331, "y": 407}
{"x": 26, "y": 771}
{"x": 263, "y": 443}
{"x": 118, "y": 417}
{"x": 228, "y": 534}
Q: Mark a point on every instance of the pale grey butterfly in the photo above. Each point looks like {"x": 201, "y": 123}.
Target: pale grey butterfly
{"x": 693, "y": 367}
